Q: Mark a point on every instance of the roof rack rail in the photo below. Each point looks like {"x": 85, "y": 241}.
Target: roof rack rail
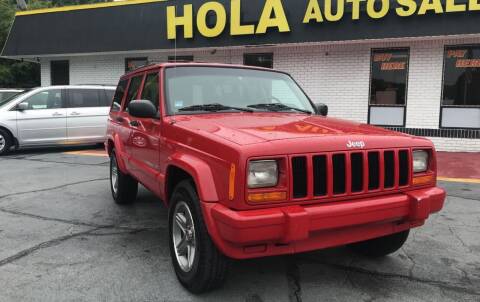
{"x": 93, "y": 85}
{"x": 152, "y": 63}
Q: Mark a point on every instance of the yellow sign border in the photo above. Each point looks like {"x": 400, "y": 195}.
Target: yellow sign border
{"x": 83, "y": 7}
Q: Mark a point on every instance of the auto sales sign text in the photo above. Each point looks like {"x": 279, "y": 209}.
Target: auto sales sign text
{"x": 273, "y": 16}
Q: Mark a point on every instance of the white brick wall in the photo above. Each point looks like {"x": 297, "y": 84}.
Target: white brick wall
{"x": 456, "y": 144}
{"x": 104, "y": 70}
{"x": 45, "y": 72}
{"x": 424, "y": 85}
{"x": 336, "y": 74}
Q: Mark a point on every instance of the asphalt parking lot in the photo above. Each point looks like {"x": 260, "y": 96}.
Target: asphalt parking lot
{"x": 63, "y": 239}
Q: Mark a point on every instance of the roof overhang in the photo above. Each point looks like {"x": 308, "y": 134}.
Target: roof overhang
{"x": 142, "y": 25}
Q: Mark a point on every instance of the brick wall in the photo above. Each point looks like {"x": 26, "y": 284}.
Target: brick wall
{"x": 45, "y": 72}
{"x": 336, "y": 74}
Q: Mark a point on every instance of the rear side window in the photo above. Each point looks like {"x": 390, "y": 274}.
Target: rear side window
{"x": 133, "y": 89}
{"x": 108, "y": 97}
{"x": 79, "y": 98}
{"x": 150, "y": 89}
{"x": 118, "y": 97}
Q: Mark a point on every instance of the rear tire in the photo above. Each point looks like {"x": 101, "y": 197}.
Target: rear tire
{"x": 206, "y": 268}
{"x": 124, "y": 187}
{"x": 6, "y": 142}
{"x": 382, "y": 246}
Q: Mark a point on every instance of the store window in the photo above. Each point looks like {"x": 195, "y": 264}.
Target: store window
{"x": 388, "y": 86}
{"x": 258, "y": 59}
{"x": 60, "y": 72}
{"x": 180, "y": 58}
{"x": 134, "y": 63}
{"x": 461, "y": 87}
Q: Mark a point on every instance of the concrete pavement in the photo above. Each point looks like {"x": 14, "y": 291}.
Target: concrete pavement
{"x": 63, "y": 239}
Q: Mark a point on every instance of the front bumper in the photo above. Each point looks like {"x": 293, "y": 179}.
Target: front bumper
{"x": 294, "y": 229}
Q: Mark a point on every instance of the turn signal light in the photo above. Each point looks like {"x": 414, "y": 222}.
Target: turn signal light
{"x": 423, "y": 180}
{"x": 266, "y": 197}
{"x": 231, "y": 182}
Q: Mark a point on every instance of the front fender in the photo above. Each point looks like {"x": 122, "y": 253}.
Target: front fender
{"x": 11, "y": 127}
{"x": 201, "y": 173}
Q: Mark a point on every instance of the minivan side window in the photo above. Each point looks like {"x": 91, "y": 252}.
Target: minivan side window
{"x": 79, "y": 98}
{"x": 150, "y": 89}
{"x": 108, "y": 97}
{"x": 133, "y": 89}
{"x": 118, "y": 97}
{"x": 49, "y": 99}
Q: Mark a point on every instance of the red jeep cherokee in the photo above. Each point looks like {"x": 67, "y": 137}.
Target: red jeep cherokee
{"x": 249, "y": 167}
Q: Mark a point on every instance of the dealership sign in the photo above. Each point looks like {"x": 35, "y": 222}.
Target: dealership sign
{"x": 156, "y": 24}
{"x": 273, "y": 14}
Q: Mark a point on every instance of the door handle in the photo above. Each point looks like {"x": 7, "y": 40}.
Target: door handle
{"x": 57, "y": 114}
{"x": 134, "y": 123}
{"x": 74, "y": 113}
{"x": 120, "y": 119}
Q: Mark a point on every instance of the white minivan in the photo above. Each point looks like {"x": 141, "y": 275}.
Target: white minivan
{"x": 56, "y": 115}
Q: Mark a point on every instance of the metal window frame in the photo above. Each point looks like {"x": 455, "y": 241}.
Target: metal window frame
{"x": 135, "y": 58}
{"x": 372, "y": 50}
{"x": 51, "y": 71}
{"x": 258, "y": 54}
{"x": 182, "y": 58}
{"x": 442, "y": 106}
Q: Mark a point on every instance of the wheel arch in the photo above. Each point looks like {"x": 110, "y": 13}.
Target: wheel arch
{"x": 109, "y": 146}
{"x": 188, "y": 167}
{"x": 115, "y": 143}
{"x": 10, "y": 132}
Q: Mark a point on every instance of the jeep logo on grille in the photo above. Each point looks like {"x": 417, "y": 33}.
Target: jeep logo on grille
{"x": 356, "y": 144}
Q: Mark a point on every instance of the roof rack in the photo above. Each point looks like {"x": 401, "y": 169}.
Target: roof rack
{"x": 103, "y": 85}
{"x": 152, "y": 63}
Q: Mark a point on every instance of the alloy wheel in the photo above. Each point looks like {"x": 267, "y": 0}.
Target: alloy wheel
{"x": 183, "y": 233}
{"x": 2, "y": 143}
{"x": 114, "y": 174}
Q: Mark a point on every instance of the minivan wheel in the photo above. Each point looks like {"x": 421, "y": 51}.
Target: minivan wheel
{"x": 5, "y": 142}
{"x": 382, "y": 246}
{"x": 124, "y": 187}
{"x": 198, "y": 264}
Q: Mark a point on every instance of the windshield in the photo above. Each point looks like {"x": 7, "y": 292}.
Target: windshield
{"x": 205, "y": 89}
{"x": 7, "y": 97}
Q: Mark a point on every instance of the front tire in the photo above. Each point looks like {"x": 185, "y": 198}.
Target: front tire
{"x": 6, "y": 142}
{"x": 382, "y": 246}
{"x": 124, "y": 187}
{"x": 198, "y": 264}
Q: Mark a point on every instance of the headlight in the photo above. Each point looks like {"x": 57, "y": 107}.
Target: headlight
{"x": 262, "y": 174}
{"x": 420, "y": 161}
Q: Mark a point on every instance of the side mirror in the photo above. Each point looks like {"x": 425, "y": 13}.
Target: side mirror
{"x": 142, "y": 109}
{"x": 321, "y": 109}
{"x": 22, "y": 106}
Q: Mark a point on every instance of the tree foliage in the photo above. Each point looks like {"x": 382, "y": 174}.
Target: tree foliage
{"x": 17, "y": 73}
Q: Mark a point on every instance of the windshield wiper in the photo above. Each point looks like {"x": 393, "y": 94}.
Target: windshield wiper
{"x": 277, "y": 107}
{"x": 213, "y": 108}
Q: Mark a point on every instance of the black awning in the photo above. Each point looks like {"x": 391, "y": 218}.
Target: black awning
{"x": 144, "y": 27}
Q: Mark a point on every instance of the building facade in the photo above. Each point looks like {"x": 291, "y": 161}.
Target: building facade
{"x": 424, "y": 82}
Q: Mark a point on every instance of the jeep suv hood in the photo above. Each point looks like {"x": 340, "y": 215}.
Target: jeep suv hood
{"x": 254, "y": 128}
